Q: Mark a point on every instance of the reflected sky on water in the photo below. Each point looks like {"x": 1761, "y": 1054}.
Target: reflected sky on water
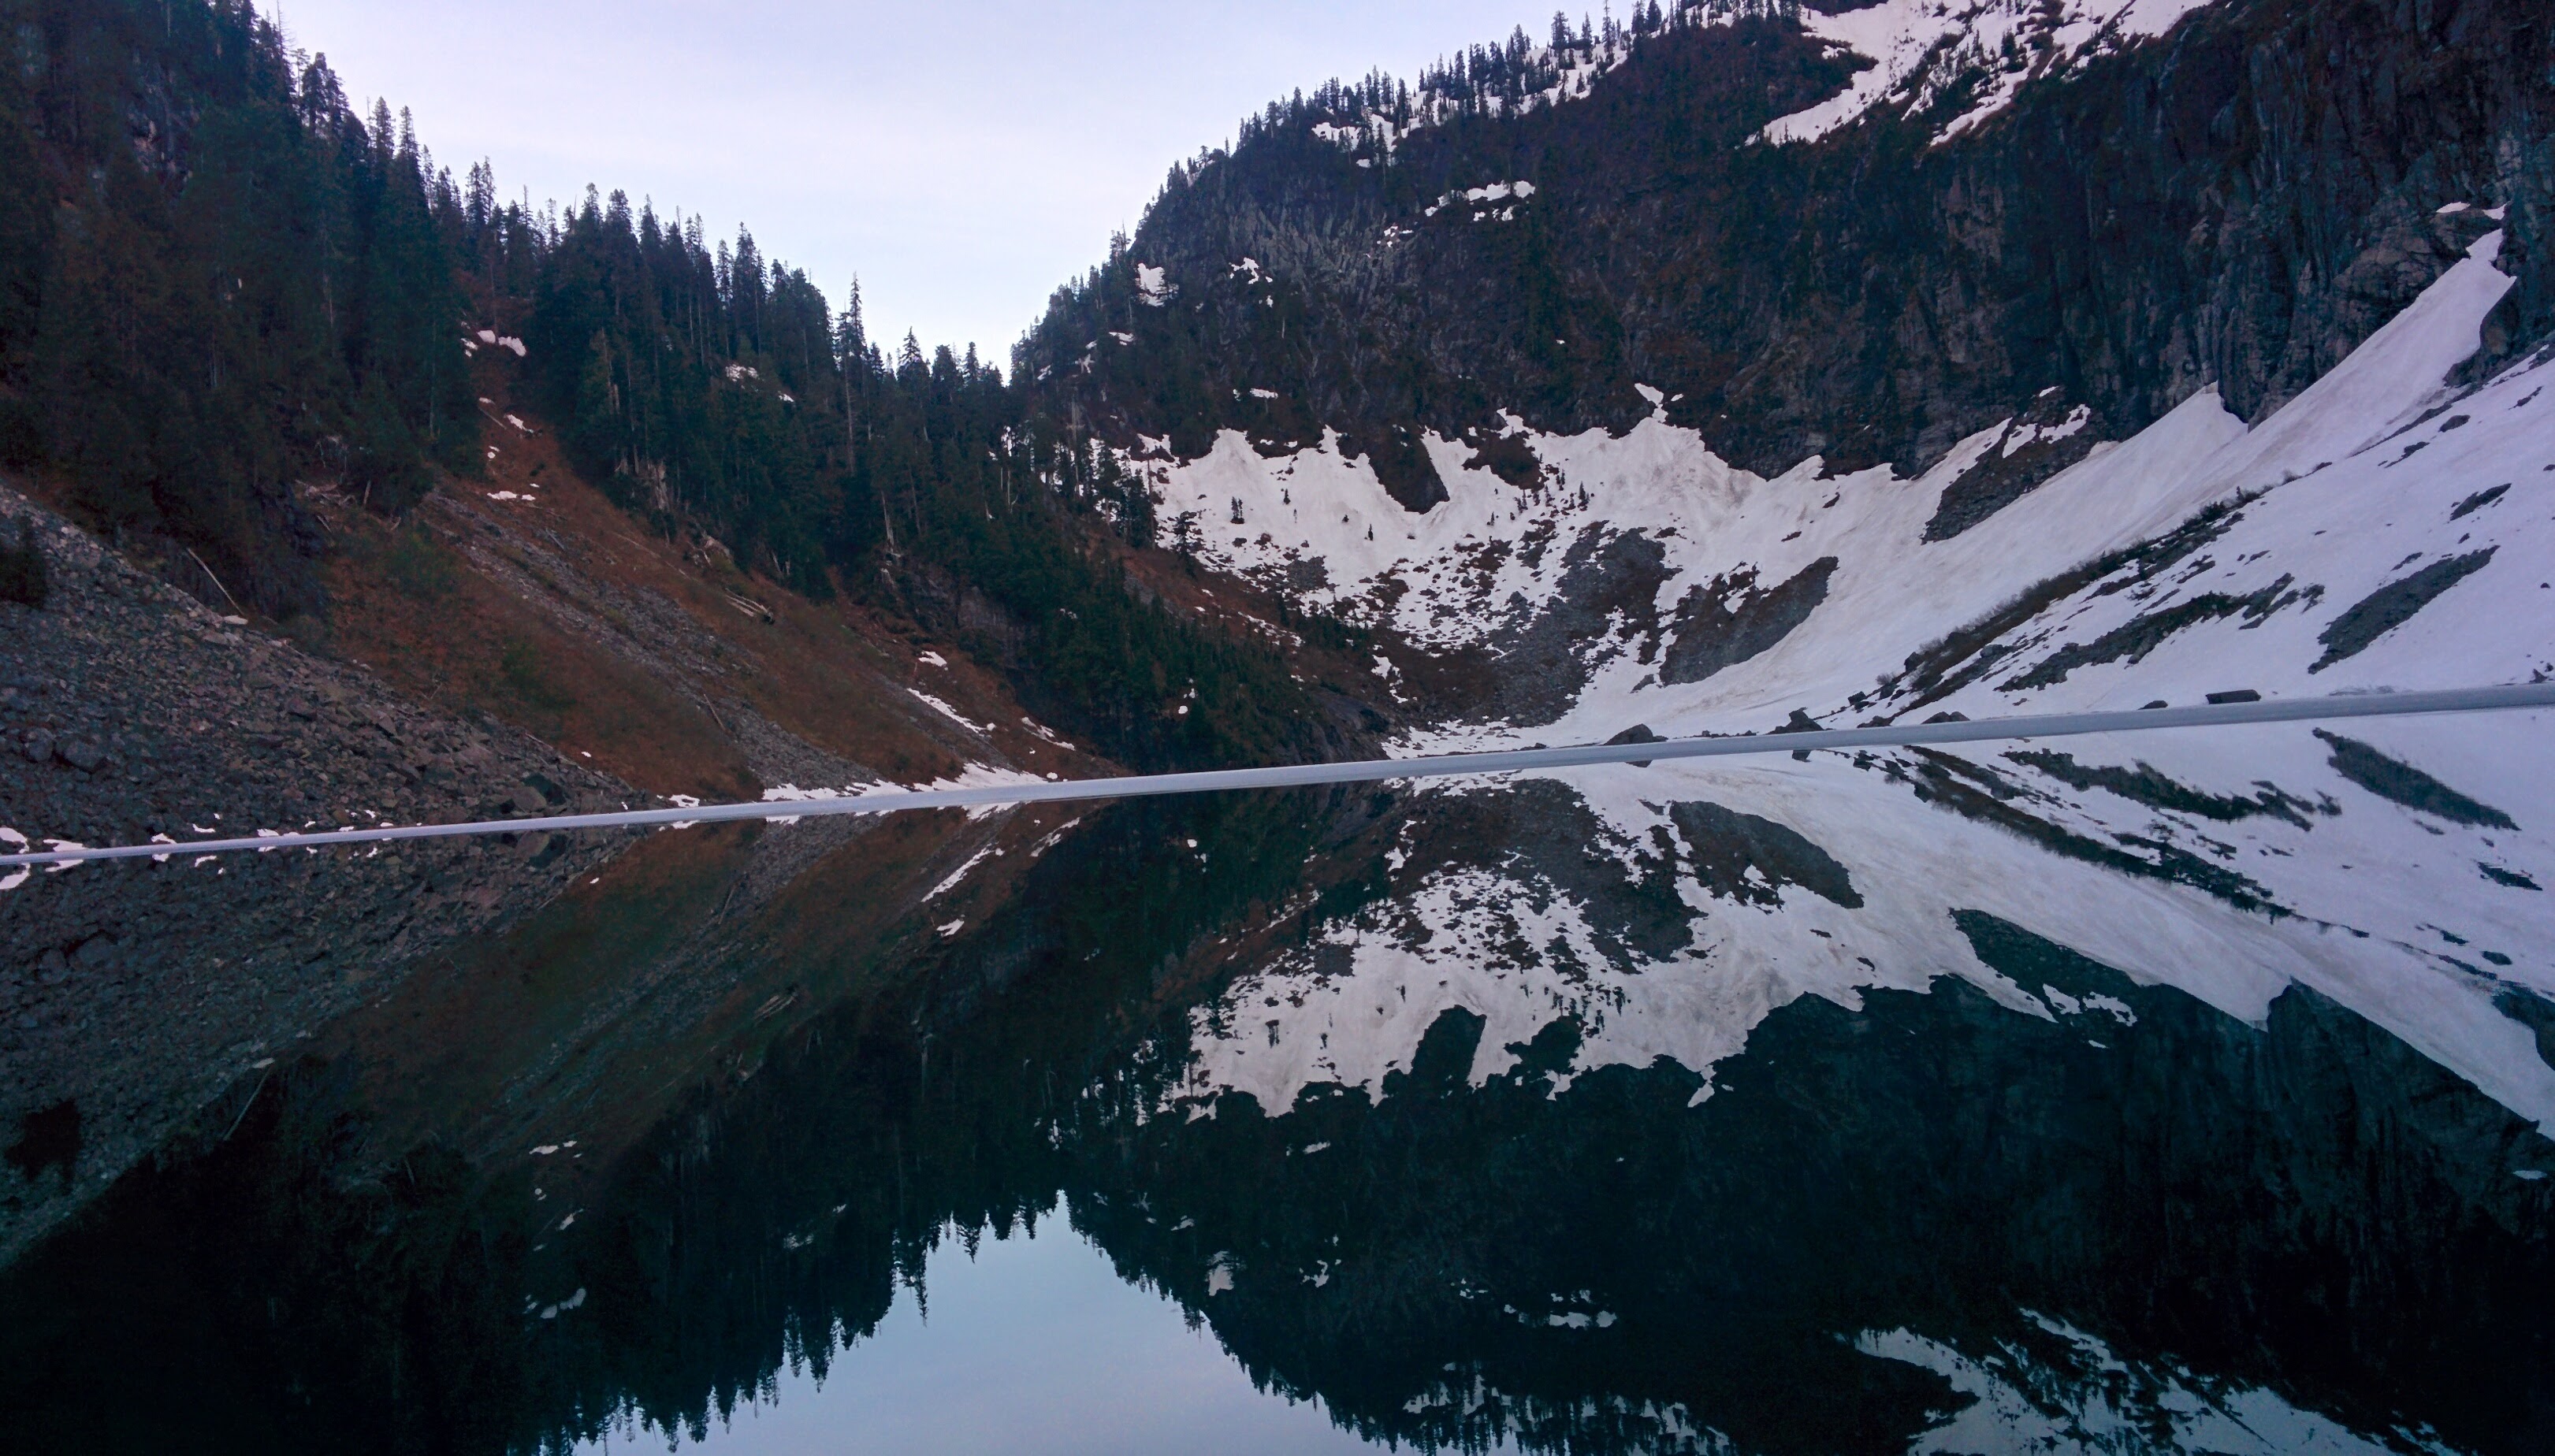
{"x": 1032, "y": 1343}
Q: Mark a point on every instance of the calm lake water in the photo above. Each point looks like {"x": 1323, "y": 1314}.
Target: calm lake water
{"x": 2154, "y": 1096}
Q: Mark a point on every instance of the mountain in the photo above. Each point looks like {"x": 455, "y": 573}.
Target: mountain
{"x": 1960, "y": 250}
{"x": 1865, "y": 235}
{"x": 1729, "y": 367}
{"x": 1711, "y": 369}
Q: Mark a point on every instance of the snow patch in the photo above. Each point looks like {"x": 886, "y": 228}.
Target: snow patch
{"x": 1922, "y": 49}
{"x": 981, "y": 730}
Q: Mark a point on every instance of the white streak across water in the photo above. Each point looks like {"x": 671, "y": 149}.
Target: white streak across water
{"x": 2503, "y": 698}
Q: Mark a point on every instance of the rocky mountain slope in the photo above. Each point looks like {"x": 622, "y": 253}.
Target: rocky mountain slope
{"x": 135, "y": 992}
{"x": 517, "y": 646}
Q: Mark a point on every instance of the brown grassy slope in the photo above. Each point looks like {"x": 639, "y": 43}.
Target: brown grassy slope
{"x": 528, "y": 595}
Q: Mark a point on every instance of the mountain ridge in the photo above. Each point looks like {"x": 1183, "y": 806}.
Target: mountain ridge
{"x": 1865, "y": 295}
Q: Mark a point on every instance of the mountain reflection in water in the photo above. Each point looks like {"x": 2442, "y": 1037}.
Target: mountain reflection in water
{"x": 1913, "y": 1103}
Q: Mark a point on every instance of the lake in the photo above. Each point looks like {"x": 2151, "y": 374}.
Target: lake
{"x": 2184, "y": 1093}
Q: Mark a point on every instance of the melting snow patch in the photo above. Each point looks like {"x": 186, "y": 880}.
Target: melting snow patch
{"x": 1496, "y": 192}
{"x": 1043, "y": 732}
{"x": 974, "y": 776}
{"x": 952, "y": 714}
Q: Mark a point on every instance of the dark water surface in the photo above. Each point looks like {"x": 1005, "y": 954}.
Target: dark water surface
{"x": 1823, "y": 1110}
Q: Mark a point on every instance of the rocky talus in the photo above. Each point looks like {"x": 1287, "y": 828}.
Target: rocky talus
{"x": 131, "y": 992}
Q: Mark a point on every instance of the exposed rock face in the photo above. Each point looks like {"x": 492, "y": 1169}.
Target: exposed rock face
{"x": 1734, "y": 619}
{"x": 129, "y": 992}
{"x": 2239, "y": 201}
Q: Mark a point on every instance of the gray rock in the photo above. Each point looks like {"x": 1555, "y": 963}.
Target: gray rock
{"x": 126, "y": 983}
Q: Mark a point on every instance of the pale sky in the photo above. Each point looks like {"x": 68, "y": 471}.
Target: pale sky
{"x": 961, "y": 159}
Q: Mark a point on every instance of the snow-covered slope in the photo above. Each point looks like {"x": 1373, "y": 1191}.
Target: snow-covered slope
{"x": 2361, "y": 484}
{"x": 2385, "y": 530}
{"x": 1923, "y": 50}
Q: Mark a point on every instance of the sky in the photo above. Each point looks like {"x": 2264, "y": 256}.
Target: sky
{"x": 961, "y": 160}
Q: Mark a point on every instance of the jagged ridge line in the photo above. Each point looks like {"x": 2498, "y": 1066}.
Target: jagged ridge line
{"x": 2505, "y": 698}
